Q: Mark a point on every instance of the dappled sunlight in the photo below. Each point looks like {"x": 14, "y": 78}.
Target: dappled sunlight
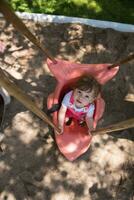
{"x": 24, "y": 124}
{"x": 111, "y": 153}
{"x": 88, "y": 176}
{"x": 37, "y": 72}
{"x": 34, "y": 84}
{"x": 111, "y": 156}
{"x": 31, "y": 165}
{"x": 4, "y": 167}
{"x": 71, "y": 147}
{"x": 93, "y": 5}
{"x": 80, "y": 2}
{"x": 14, "y": 73}
{"x": 7, "y": 195}
{"x": 46, "y": 69}
{"x": 12, "y": 181}
{"x": 39, "y": 151}
{"x": 63, "y": 195}
{"x": 88, "y": 47}
{"x": 129, "y": 97}
{"x": 100, "y": 48}
{"x": 131, "y": 87}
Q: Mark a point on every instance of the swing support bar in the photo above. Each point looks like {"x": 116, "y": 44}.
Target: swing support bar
{"x": 125, "y": 60}
{"x": 11, "y": 17}
{"x": 15, "y": 91}
{"x": 20, "y": 26}
{"x": 115, "y": 127}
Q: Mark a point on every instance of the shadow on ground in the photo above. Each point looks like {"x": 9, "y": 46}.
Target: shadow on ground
{"x": 31, "y": 166}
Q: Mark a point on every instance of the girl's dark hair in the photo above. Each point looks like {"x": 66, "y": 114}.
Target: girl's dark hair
{"x": 88, "y": 83}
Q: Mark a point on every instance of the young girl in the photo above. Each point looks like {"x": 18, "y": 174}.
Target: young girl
{"x": 79, "y": 103}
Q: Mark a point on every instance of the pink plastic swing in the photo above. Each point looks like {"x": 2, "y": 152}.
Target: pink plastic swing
{"x": 75, "y": 139}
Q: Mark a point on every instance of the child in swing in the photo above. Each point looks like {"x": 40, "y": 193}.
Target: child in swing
{"x": 79, "y": 103}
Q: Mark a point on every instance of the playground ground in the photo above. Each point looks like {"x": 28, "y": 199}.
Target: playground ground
{"x": 31, "y": 167}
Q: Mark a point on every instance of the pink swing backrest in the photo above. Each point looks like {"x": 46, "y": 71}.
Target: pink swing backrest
{"x": 67, "y": 72}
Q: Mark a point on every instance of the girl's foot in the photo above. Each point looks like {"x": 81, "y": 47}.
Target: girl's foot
{"x": 82, "y": 123}
{"x": 69, "y": 121}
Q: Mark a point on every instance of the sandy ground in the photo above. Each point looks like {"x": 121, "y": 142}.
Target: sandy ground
{"x": 31, "y": 167}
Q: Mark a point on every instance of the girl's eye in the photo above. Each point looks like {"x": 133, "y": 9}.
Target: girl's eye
{"x": 87, "y": 96}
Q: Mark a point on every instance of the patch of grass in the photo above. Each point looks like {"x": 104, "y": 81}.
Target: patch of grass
{"x": 114, "y": 10}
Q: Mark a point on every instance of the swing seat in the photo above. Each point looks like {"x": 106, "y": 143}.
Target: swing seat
{"x": 75, "y": 139}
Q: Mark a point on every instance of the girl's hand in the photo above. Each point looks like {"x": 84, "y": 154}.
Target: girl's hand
{"x": 90, "y": 131}
{"x": 61, "y": 118}
{"x": 61, "y": 131}
{"x": 89, "y": 122}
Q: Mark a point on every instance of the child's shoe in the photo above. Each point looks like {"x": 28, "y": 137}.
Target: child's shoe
{"x": 82, "y": 123}
{"x": 69, "y": 121}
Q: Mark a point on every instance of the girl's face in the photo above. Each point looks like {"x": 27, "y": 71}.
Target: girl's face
{"x": 82, "y": 98}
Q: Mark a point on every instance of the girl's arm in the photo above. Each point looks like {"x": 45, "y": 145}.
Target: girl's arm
{"x": 89, "y": 122}
{"x": 61, "y": 117}
{"x": 89, "y": 118}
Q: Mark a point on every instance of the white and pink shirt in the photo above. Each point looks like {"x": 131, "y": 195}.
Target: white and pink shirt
{"x": 73, "y": 111}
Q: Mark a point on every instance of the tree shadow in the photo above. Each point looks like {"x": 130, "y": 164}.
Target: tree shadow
{"x": 35, "y": 168}
{"x": 98, "y": 193}
{"x": 126, "y": 182}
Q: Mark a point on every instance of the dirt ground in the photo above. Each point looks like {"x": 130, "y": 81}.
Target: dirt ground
{"x": 31, "y": 166}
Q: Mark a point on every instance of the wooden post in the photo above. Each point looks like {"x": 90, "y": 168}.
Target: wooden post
{"x": 115, "y": 127}
{"x": 20, "y": 26}
{"x": 15, "y": 91}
